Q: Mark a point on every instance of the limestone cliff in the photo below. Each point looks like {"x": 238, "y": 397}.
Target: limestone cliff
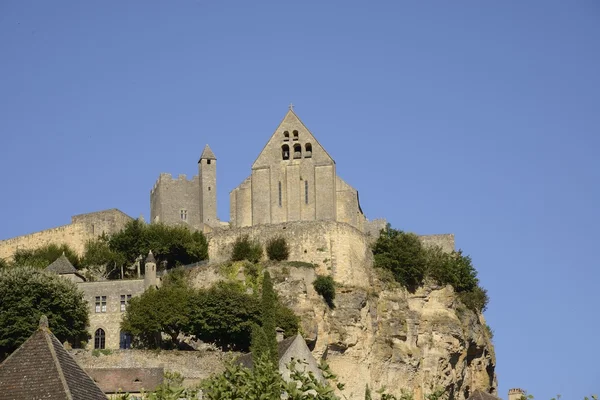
{"x": 384, "y": 336}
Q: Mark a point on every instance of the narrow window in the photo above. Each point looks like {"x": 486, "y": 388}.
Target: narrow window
{"x": 285, "y": 152}
{"x": 208, "y": 161}
{"x": 97, "y": 304}
{"x": 125, "y": 301}
{"x": 103, "y": 304}
{"x": 99, "y": 339}
{"x": 124, "y": 340}
{"x": 209, "y": 188}
{"x": 279, "y": 194}
{"x": 308, "y": 150}
{"x": 295, "y": 135}
{"x": 305, "y": 192}
{"x": 286, "y": 136}
{"x": 297, "y": 151}
{"x": 183, "y": 214}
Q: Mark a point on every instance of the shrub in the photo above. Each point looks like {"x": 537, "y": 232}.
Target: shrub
{"x": 245, "y": 249}
{"x": 325, "y": 286}
{"x": 476, "y": 299}
{"x": 403, "y": 254}
{"x": 452, "y": 268}
{"x": 277, "y": 249}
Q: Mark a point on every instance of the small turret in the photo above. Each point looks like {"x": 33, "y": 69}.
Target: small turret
{"x": 150, "y": 271}
{"x": 516, "y": 394}
{"x": 207, "y": 171}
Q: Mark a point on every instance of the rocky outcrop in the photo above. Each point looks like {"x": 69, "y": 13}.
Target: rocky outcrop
{"x": 381, "y": 335}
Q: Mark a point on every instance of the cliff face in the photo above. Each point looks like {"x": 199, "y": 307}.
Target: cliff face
{"x": 387, "y": 337}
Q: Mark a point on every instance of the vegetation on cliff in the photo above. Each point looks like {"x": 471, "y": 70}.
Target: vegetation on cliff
{"x": 325, "y": 286}
{"x": 246, "y": 249}
{"x": 27, "y": 293}
{"x": 277, "y": 249}
{"x": 44, "y": 256}
{"x": 411, "y": 262}
{"x": 223, "y": 314}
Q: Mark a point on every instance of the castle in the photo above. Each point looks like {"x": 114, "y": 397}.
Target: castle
{"x": 293, "y": 179}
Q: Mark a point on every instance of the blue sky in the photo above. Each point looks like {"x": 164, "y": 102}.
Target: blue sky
{"x": 477, "y": 118}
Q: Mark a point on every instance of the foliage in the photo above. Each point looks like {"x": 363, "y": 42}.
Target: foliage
{"x": 410, "y": 262}
{"x": 265, "y": 382}
{"x": 3, "y": 264}
{"x": 264, "y": 337}
{"x": 44, "y": 256}
{"x": 246, "y": 249}
{"x": 164, "y": 310}
{"x": 403, "y": 254}
{"x": 26, "y": 294}
{"x": 277, "y": 249}
{"x": 224, "y": 315}
{"x": 101, "y": 259}
{"x": 301, "y": 264}
{"x": 172, "y": 389}
{"x": 325, "y": 286}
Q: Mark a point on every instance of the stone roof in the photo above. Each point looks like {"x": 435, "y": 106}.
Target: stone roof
{"x": 129, "y": 380}
{"x": 150, "y": 258}
{"x": 282, "y": 347}
{"x": 207, "y": 154}
{"x": 481, "y": 395}
{"x": 42, "y": 369}
{"x": 62, "y": 266}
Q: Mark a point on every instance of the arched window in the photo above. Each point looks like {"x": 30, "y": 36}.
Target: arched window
{"x": 124, "y": 340}
{"x": 286, "y": 136}
{"x": 297, "y": 150}
{"x": 307, "y": 150}
{"x": 285, "y": 152}
{"x": 99, "y": 339}
{"x": 295, "y": 135}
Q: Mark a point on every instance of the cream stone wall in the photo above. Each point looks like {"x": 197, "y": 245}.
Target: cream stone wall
{"x": 169, "y": 196}
{"x": 445, "y": 241}
{"x": 82, "y": 228}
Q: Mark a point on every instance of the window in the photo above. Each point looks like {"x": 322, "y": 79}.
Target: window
{"x": 280, "y": 194}
{"x": 305, "y": 192}
{"x": 307, "y": 150}
{"x": 297, "y": 151}
{"x": 208, "y": 161}
{"x": 99, "y": 339}
{"x": 125, "y": 340}
{"x": 285, "y": 152}
{"x": 100, "y": 304}
{"x": 209, "y": 188}
{"x": 295, "y": 135}
{"x": 183, "y": 214}
{"x": 286, "y": 136}
{"x": 125, "y": 301}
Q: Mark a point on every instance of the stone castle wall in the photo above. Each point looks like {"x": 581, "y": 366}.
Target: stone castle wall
{"x": 445, "y": 241}
{"x": 170, "y": 196}
{"x": 82, "y": 228}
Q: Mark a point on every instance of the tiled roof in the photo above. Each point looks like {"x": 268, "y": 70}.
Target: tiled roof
{"x": 62, "y": 266}
{"x": 42, "y": 369}
{"x": 129, "y": 380}
{"x": 282, "y": 346}
{"x": 207, "y": 154}
{"x": 481, "y": 395}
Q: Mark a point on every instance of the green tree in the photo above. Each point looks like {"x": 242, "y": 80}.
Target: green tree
{"x": 403, "y": 254}
{"x": 453, "y": 268}
{"x": 43, "y": 256}
{"x": 26, "y": 294}
{"x": 99, "y": 258}
{"x": 4, "y": 264}
{"x": 277, "y": 249}
{"x": 164, "y": 310}
{"x": 172, "y": 389}
{"x": 264, "y": 337}
{"x": 246, "y": 249}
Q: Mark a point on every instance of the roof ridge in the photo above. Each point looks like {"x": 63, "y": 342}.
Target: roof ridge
{"x": 61, "y": 375}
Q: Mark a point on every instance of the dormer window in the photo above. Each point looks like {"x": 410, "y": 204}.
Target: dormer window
{"x": 308, "y": 150}
{"x": 286, "y": 136}
{"x": 295, "y": 135}
{"x": 285, "y": 152}
{"x": 297, "y": 151}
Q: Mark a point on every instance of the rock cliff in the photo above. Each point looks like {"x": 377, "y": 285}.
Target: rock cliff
{"x": 381, "y": 335}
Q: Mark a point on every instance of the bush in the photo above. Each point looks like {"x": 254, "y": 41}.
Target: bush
{"x": 476, "y": 299}
{"x": 452, "y": 269}
{"x": 45, "y": 255}
{"x": 245, "y": 249}
{"x": 277, "y": 249}
{"x": 403, "y": 254}
{"x": 325, "y": 286}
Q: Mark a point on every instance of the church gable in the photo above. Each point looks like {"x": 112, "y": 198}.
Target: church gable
{"x": 292, "y": 141}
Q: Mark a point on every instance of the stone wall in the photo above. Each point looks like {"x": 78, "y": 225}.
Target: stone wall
{"x": 192, "y": 365}
{"x": 82, "y": 228}
{"x": 445, "y": 241}
{"x": 108, "y": 318}
{"x": 336, "y": 248}
{"x": 170, "y": 196}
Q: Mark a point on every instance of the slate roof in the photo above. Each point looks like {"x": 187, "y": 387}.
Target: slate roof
{"x": 42, "y": 369}
{"x": 129, "y": 380}
{"x": 207, "y": 154}
{"x": 481, "y": 395}
{"x": 150, "y": 258}
{"x": 282, "y": 347}
{"x": 62, "y": 266}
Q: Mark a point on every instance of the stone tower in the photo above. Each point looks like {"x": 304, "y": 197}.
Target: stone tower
{"x": 207, "y": 170}
{"x": 516, "y": 394}
{"x": 150, "y": 271}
